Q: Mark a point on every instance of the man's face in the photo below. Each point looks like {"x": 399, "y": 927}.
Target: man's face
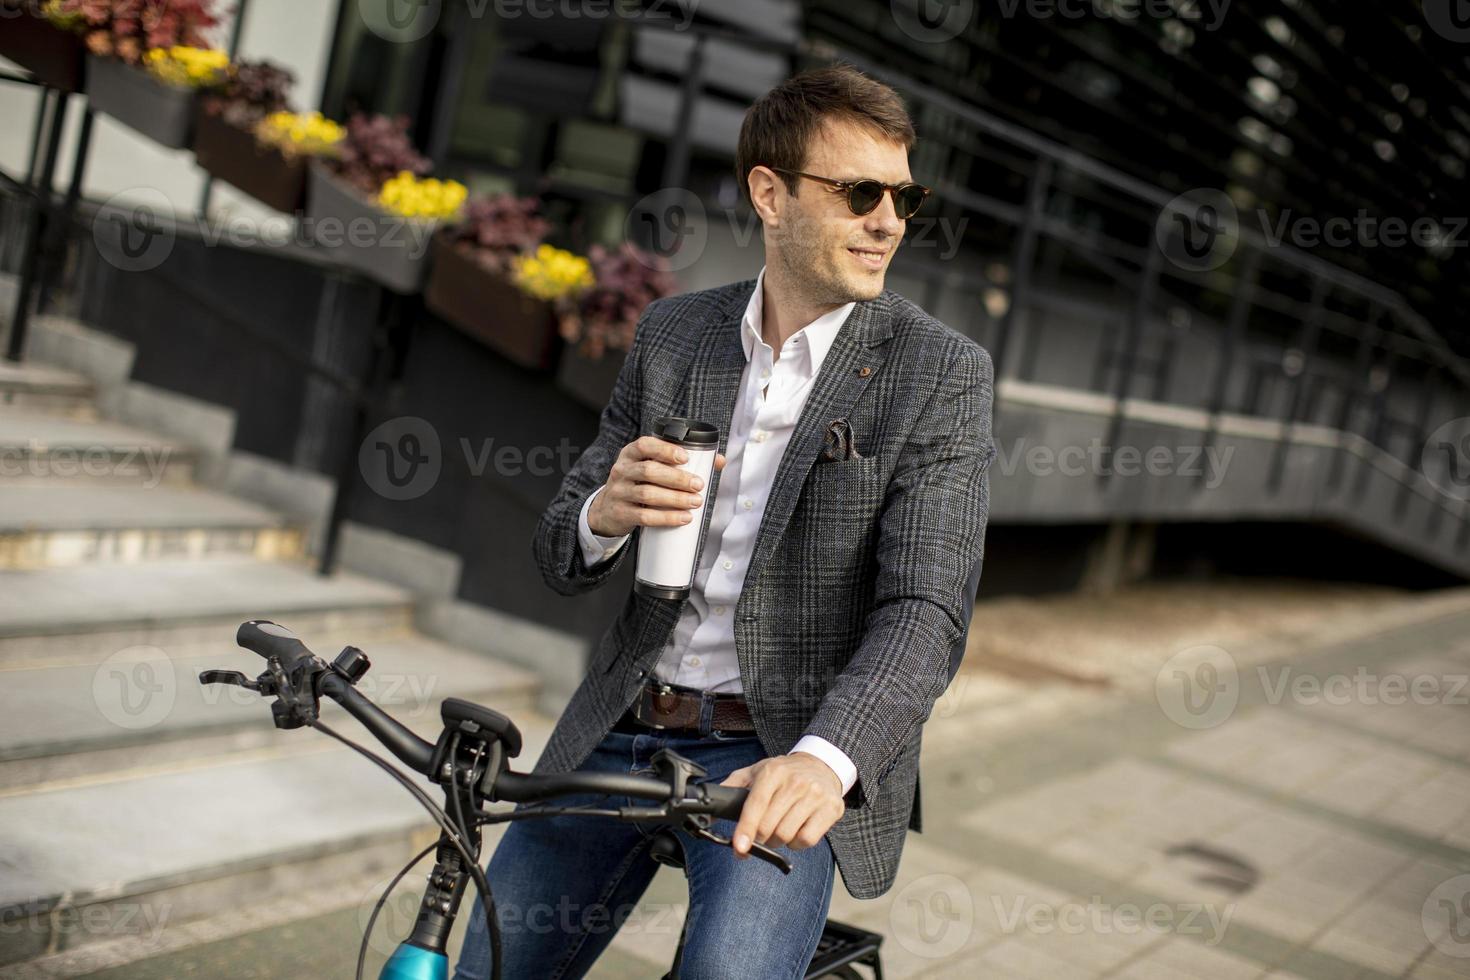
{"x": 838, "y": 256}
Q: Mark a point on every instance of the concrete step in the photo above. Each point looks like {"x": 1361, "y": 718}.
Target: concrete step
{"x": 168, "y": 847}
{"x": 44, "y": 388}
{"x": 45, "y": 526}
{"x": 96, "y": 614}
{"x": 147, "y": 703}
{"x": 57, "y": 451}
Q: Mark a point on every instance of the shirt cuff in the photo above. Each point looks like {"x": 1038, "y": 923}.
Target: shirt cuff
{"x": 595, "y": 547}
{"x": 835, "y": 758}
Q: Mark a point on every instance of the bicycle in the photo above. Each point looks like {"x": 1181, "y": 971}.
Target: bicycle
{"x": 470, "y": 760}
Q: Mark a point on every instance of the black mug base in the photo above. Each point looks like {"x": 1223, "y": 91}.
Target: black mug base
{"x": 660, "y": 591}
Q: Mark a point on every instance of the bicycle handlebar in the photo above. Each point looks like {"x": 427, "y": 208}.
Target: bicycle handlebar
{"x": 271, "y": 640}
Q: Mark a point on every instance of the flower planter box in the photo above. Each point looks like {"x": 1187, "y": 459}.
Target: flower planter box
{"x": 235, "y": 156}
{"x": 164, "y": 113}
{"x": 54, "y": 56}
{"x": 589, "y": 380}
{"x": 385, "y": 247}
{"x": 489, "y": 307}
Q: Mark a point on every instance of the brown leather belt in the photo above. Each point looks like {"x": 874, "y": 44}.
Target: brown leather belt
{"x": 669, "y": 707}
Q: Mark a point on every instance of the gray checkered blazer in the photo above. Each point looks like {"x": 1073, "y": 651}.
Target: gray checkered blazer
{"x": 854, "y": 611}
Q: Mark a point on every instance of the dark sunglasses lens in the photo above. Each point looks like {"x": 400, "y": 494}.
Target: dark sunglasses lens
{"x": 864, "y": 196}
{"x": 909, "y": 198}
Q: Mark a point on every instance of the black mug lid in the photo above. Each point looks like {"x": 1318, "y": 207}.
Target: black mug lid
{"x": 686, "y": 432}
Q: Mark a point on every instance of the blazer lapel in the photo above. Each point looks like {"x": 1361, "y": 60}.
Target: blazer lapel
{"x": 854, "y": 360}
{"x": 712, "y": 384}
{"x": 712, "y": 388}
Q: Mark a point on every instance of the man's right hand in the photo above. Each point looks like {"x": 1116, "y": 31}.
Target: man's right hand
{"x": 647, "y": 488}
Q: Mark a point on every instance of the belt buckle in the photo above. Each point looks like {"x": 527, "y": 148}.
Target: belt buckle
{"x": 646, "y": 699}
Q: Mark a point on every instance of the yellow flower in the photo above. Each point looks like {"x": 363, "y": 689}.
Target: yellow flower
{"x": 551, "y": 273}
{"x": 422, "y": 197}
{"x": 306, "y": 132}
{"x": 187, "y": 66}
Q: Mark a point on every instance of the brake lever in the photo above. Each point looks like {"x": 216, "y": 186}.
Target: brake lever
{"x": 228, "y": 677}
{"x": 697, "y": 829}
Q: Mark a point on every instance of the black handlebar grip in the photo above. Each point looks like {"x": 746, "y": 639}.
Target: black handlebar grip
{"x": 728, "y": 800}
{"x": 271, "y": 640}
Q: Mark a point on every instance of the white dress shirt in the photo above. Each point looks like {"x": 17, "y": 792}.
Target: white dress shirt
{"x": 701, "y": 652}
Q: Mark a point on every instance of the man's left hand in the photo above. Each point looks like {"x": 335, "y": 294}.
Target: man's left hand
{"x": 794, "y": 800}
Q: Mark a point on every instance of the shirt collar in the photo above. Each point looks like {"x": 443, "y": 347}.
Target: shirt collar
{"x": 820, "y": 333}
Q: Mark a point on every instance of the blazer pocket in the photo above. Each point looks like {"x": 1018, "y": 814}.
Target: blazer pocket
{"x": 852, "y": 482}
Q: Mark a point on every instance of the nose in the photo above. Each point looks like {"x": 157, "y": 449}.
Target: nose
{"x": 884, "y": 220}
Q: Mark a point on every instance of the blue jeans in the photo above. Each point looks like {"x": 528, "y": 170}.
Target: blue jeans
{"x": 564, "y": 885}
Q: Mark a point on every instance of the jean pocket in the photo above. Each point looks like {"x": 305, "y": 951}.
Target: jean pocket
{"x": 723, "y": 736}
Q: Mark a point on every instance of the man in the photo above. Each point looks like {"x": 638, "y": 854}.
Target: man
{"x": 841, "y": 557}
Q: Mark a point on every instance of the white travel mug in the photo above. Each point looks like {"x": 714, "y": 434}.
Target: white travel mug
{"x": 668, "y": 556}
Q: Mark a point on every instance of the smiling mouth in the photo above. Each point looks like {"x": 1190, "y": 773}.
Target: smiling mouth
{"x": 872, "y": 258}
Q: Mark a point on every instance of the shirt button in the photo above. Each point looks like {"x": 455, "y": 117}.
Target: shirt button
{"x": 719, "y": 610}
{"x": 747, "y": 503}
{"x": 729, "y": 564}
{"x": 694, "y": 661}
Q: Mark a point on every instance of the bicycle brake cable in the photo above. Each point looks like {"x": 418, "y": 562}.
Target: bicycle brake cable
{"x": 487, "y": 902}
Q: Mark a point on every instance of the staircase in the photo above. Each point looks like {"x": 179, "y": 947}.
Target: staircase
{"x": 133, "y": 801}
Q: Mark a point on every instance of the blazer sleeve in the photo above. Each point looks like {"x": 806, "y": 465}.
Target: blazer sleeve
{"x": 556, "y": 543}
{"x": 930, "y": 547}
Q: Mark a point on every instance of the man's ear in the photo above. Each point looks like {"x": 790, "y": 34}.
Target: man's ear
{"x": 761, "y": 184}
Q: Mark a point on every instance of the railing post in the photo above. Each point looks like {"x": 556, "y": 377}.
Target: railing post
{"x": 390, "y": 307}
{"x": 1421, "y": 436}
{"x": 1362, "y": 368}
{"x": 56, "y": 238}
{"x": 1311, "y": 330}
{"x": 1379, "y": 424}
{"x": 233, "y": 48}
{"x": 35, "y": 231}
{"x": 1022, "y": 261}
{"x": 1240, "y": 311}
{"x": 676, "y": 164}
{"x": 1148, "y": 287}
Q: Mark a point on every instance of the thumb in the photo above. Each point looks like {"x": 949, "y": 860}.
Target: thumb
{"x": 738, "y": 778}
{"x": 719, "y": 461}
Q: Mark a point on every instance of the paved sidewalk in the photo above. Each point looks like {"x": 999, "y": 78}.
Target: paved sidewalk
{"x": 1263, "y": 811}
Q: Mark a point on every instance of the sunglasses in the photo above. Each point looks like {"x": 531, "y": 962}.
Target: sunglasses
{"x": 863, "y": 195}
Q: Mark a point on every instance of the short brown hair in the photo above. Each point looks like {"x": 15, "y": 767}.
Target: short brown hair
{"x": 779, "y": 127}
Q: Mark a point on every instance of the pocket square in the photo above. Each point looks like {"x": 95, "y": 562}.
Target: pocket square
{"x": 838, "y": 442}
